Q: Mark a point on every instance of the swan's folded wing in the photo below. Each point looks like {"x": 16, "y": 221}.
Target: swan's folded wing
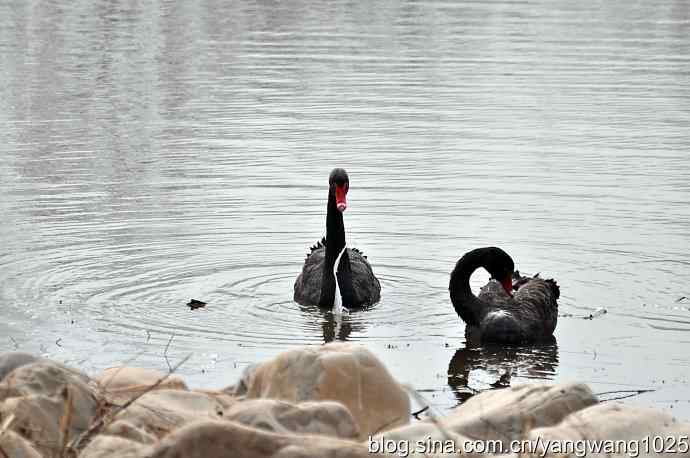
{"x": 365, "y": 283}
{"x": 308, "y": 283}
{"x": 540, "y": 297}
{"x": 539, "y": 290}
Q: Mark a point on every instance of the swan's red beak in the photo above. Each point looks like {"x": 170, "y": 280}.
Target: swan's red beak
{"x": 507, "y": 284}
{"x": 341, "y": 197}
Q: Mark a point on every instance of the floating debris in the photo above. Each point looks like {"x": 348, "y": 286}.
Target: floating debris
{"x": 196, "y": 304}
{"x": 597, "y": 313}
{"x": 681, "y": 299}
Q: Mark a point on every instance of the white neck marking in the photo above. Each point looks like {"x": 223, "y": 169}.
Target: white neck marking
{"x": 337, "y": 299}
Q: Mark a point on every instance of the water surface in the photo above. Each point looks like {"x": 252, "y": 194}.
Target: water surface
{"x": 153, "y": 153}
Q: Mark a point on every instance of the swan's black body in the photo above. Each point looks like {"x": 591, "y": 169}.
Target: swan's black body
{"x": 316, "y": 284}
{"x": 528, "y": 316}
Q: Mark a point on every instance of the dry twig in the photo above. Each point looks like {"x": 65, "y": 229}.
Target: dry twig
{"x": 420, "y": 411}
{"x": 165, "y": 353}
{"x": 5, "y": 426}
{"x": 625, "y": 394}
{"x": 97, "y": 425}
{"x": 435, "y": 419}
{"x": 66, "y": 420}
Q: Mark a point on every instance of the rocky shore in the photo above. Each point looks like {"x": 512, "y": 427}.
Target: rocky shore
{"x": 335, "y": 400}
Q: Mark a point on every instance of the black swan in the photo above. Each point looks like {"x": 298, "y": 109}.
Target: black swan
{"x": 316, "y": 285}
{"x": 497, "y": 315}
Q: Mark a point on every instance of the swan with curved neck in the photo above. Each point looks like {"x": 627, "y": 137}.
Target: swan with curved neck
{"x": 352, "y": 277}
{"x": 498, "y": 315}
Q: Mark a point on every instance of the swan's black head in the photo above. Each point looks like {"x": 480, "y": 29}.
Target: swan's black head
{"x": 339, "y": 182}
{"x": 500, "y": 266}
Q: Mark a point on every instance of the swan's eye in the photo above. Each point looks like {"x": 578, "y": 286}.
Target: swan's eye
{"x": 342, "y": 185}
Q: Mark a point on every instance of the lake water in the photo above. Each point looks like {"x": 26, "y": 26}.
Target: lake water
{"x": 154, "y": 153}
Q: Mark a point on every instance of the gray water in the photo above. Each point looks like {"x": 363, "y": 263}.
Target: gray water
{"x": 154, "y": 153}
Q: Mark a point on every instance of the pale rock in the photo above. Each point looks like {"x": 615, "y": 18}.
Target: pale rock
{"x": 160, "y": 411}
{"x": 503, "y": 415}
{"x": 130, "y": 381}
{"x": 224, "y": 399}
{"x": 11, "y": 360}
{"x": 627, "y": 425}
{"x": 511, "y": 412}
{"x": 126, "y": 430}
{"x": 423, "y": 440}
{"x": 232, "y": 440}
{"x": 240, "y": 388}
{"x": 327, "y": 418}
{"x": 38, "y": 418}
{"x": 47, "y": 378}
{"x": 15, "y": 446}
{"x": 342, "y": 372}
{"x": 40, "y": 395}
{"x": 105, "y": 446}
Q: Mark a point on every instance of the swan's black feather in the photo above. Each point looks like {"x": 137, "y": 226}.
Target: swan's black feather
{"x": 365, "y": 284}
{"x": 529, "y": 315}
{"x": 322, "y": 244}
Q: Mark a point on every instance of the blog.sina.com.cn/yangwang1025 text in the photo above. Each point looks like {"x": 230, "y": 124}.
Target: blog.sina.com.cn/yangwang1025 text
{"x": 539, "y": 447}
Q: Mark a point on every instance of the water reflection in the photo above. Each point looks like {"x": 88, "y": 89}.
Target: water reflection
{"x": 478, "y": 367}
{"x": 334, "y": 327}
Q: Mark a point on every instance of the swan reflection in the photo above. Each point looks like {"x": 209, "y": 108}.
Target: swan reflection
{"x": 335, "y": 327}
{"x": 478, "y": 367}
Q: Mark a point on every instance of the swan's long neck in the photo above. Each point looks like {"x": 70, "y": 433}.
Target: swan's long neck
{"x": 468, "y": 306}
{"x": 335, "y": 244}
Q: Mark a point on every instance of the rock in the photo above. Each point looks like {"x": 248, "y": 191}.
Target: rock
{"x": 38, "y": 418}
{"x": 629, "y": 425}
{"x": 442, "y": 445}
{"x": 159, "y": 412}
{"x": 105, "y": 446}
{"x": 47, "y": 378}
{"x": 241, "y": 388}
{"x": 343, "y": 372}
{"x": 224, "y": 399}
{"x": 126, "y": 430}
{"x": 15, "y": 446}
{"x": 130, "y": 381}
{"x": 516, "y": 410}
{"x": 231, "y": 440}
{"x": 505, "y": 415}
{"x": 325, "y": 418}
{"x": 43, "y": 394}
{"x": 11, "y": 360}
